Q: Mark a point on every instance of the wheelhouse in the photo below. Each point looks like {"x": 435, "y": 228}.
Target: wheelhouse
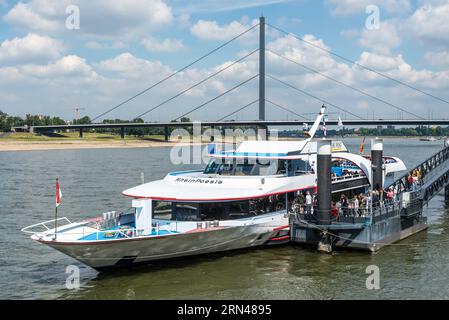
{"x": 257, "y": 167}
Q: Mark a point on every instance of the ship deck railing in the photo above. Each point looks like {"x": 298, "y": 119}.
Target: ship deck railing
{"x": 42, "y": 227}
{"x": 90, "y": 230}
{"x": 346, "y": 177}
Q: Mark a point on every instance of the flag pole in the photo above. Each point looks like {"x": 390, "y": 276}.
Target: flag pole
{"x": 56, "y": 207}
{"x": 56, "y": 222}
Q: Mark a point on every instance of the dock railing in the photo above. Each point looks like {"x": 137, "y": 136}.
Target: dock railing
{"x": 351, "y": 215}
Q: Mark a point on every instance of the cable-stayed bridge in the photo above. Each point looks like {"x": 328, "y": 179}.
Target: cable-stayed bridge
{"x": 261, "y": 100}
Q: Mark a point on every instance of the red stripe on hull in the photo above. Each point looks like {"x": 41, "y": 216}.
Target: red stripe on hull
{"x": 219, "y": 199}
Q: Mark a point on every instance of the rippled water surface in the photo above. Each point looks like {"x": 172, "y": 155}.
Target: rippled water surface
{"x": 92, "y": 181}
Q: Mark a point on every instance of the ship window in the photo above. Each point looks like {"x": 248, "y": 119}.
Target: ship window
{"x": 244, "y": 169}
{"x": 188, "y": 211}
{"x": 212, "y": 167}
{"x": 162, "y": 210}
{"x": 251, "y": 167}
{"x": 300, "y": 167}
{"x": 185, "y": 211}
{"x": 226, "y": 168}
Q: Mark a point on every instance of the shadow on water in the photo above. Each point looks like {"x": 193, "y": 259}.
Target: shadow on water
{"x": 188, "y": 277}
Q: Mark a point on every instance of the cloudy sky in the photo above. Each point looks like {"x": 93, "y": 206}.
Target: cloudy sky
{"x": 123, "y": 47}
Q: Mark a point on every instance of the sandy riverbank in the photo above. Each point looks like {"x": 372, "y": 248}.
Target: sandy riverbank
{"x": 24, "y": 145}
{"x": 12, "y": 145}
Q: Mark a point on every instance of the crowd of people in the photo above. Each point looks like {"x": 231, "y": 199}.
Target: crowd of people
{"x": 361, "y": 205}
{"x": 414, "y": 179}
{"x": 356, "y": 206}
{"x": 304, "y": 202}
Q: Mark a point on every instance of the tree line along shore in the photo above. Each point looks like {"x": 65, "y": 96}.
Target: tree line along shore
{"x": 8, "y": 122}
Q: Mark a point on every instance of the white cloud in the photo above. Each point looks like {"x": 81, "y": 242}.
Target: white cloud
{"x": 31, "y": 48}
{"x": 71, "y": 80}
{"x": 380, "y": 62}
{"x": 396, "y": 67}
{"x": 437, "y": 59}
{"x": 211, "y": 30}
{"x": 105, "y": 46}
{"x": 128, "y": 65}
{"x": 23, "y": 15}
{"x": 429, "y": 23}
{"x": 153, "y": 44}
{"x": 100, "y": 18}
{"x": 68, "y": 66}
{"x": 195, "y": 6}
{"x": 344, "y": 7}
{"x": 381, "y": 40}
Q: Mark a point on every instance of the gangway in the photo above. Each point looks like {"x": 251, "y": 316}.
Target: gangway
{"x": 433, "y": 177}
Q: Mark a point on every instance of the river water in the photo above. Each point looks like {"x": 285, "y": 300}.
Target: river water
{"x": 92, "y": 181}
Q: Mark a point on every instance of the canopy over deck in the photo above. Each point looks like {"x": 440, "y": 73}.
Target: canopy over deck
{"x": 199, "y": 187}
{"x": 274, "y": 149}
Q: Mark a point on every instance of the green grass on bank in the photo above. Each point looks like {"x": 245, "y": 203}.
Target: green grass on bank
{"x": 87, "y": 136}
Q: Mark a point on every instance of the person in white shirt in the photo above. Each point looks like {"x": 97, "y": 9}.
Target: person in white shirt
{"x": 309, "y": 201}
{"x": 356, "y": 205}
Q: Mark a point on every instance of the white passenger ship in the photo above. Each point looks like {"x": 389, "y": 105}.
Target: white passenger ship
{"x": 240, "y": 200}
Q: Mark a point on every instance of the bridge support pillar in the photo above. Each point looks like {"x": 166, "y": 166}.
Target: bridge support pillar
{"x": 81, "y": 132}
{"x": 122, "y": 132}
{"x": 446, "y": 194}
{"x": 377, "y": 163}
{"x": 166, "y": 133}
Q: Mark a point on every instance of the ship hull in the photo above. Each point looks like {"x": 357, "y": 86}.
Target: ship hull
{"x": 126, "y": 252}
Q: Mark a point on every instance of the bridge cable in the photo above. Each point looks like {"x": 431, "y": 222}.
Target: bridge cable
{"x": 313, "y": 96}
{"x": 239, "y": 109}
{"x": 176, "y": 72}
{"x": 217, "y": 97}
{"x": 358, "y": 64}
{"x": 197, "y": 84}
{"x": 286, "y": 109}
{"x": 345, "y": 84}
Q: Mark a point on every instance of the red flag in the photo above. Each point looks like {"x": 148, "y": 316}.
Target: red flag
{"x": 58, "y": 194}
{"x": 362, "y": 146}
